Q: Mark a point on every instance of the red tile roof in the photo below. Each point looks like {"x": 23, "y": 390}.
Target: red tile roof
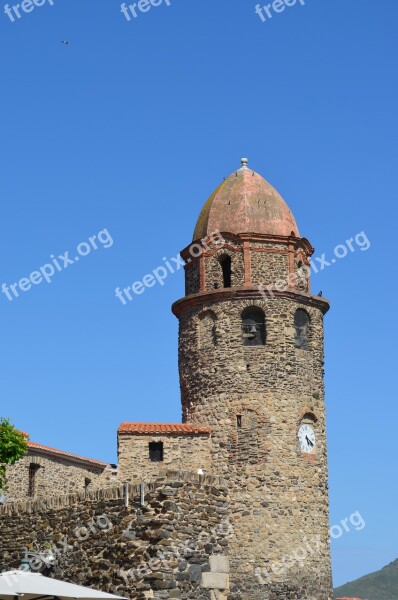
{"x": 47, "y": 449}
{"x": 162, "y": 428}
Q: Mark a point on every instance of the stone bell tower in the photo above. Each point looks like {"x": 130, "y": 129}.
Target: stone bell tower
{"x": 251, "y": 362}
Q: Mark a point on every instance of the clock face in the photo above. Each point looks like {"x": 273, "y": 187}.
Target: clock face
{"x": 306, "y": 436}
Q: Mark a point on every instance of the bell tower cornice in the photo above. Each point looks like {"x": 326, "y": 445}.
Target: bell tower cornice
{"x": 248, "y": 293}
{"x": 292, "y": 240}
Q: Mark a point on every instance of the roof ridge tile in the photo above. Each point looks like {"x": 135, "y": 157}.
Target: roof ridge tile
{"x": 164, "y": 428}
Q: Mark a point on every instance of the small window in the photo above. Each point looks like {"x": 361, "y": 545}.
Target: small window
{"x": 33, "y": 468}
{"x": 253, "y": 327}
{"x": 239, "y": 421}
{"x": 156, "y": 451}
{"x": 302, "y": 327}
{"x": 225, "y": 262}
{"x": 87, "y": 482}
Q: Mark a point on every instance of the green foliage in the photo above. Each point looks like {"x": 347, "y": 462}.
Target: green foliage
{"x": 13, "y": 446}
{"x": 381, "y": 585}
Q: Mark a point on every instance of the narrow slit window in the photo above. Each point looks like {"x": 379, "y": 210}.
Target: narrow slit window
{"x": 239, "y": 421}
{"x": 33, "y": 468}
{"x": 226, "y": 267}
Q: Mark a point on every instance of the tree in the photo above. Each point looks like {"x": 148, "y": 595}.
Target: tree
{"x": 13, "y": 446}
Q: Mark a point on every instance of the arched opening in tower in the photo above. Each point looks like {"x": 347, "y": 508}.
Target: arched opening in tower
{"x": 226, "y": 267}
{"x": 253, "y": 327}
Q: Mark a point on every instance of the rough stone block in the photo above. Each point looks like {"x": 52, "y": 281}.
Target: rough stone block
{"x": 195, "y": 572}
{"x": 215, "y": 581}
{"x": 219, "y": 564}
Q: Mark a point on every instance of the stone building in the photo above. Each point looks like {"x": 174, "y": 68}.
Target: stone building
{"x": 146, "y": 449}
{"x": 47, "y": 472}
{"x": 251, "y": 359}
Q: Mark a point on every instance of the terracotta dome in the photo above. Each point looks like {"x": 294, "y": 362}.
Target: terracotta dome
{"x": 245, "y": 203}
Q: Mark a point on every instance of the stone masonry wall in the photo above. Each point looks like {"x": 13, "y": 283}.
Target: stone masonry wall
{"x": 55, "y": 476}
{"x": 213, "y": 270}
{"x": 192, "y": 278}
{"x": 266, "y": 267}
{"x": 187, "y": 452}
{"x": 174, "y": 546}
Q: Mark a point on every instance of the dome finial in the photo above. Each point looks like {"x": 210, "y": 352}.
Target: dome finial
{"x": 244, "y": 162}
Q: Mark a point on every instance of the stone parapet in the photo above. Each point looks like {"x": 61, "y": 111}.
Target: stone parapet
{"x": 151, "y": 542}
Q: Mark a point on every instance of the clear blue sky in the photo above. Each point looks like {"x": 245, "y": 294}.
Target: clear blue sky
{"x": 129, "y": 128}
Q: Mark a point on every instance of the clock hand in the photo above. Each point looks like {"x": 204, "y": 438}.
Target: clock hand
{"x": 309, "y": 441}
